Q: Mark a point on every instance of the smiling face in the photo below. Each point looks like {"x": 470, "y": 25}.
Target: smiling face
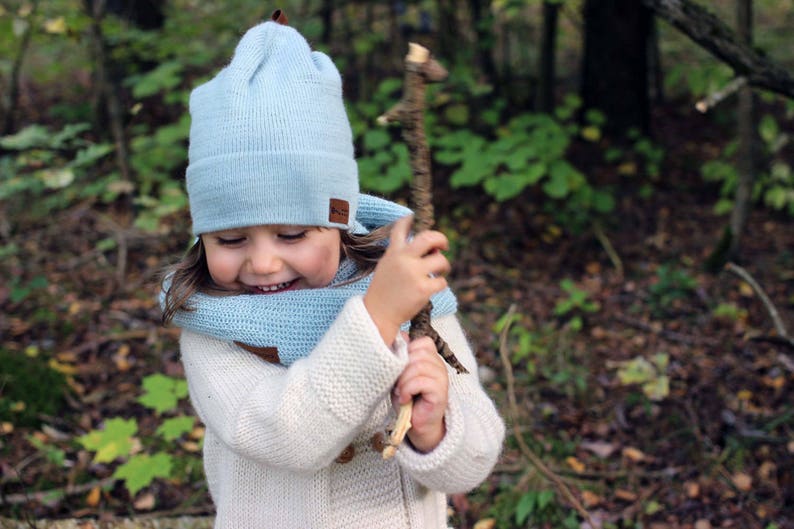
{"x": 268, "y": 259}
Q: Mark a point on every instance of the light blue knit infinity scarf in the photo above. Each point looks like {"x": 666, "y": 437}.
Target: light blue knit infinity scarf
{"x": 295, "y": 321}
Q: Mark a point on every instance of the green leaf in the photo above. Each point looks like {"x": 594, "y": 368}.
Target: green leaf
{"x": 91, "y": 154}
{"x": 30, "y": 136}
{"x": 658, "y": 388}
{"x": 768, "y": 128}
{"x": 603, "y": 202}
{"x": 544, "y": 498}
{"x": 526, "y": 505}
{"x": 636, "y": 371}
{"x": 506, "y": 186}
{"x": 141, "y": 470}
{"x": 56, "y": 178}
{"x": 375, "y": 139}
{"x": 449, "y": 156}
{"x": 472, "y": 172}
{"x": 173, "y": 428}
{"x": 556, "y": 186}
{"x": 535, "y": 172}
{"x": 112, "y": 442}
{"x": 457, "y": 114}
{"x": 68, "y": 133}
{"x": 166, "y": 76}
{"x": 162, "y": 393}
{"x": 591, "y": 133}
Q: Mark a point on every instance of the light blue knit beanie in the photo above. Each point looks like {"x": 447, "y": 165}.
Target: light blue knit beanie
{"x": 270, "y": 142}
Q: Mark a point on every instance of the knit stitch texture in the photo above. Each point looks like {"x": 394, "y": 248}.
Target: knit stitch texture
{"x": 274, "y": 433}
{"x": 294, "y": 321}
{"x": 270, "y": 141}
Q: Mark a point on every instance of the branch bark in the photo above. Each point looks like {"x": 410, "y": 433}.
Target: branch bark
{"x": 420, "y": 68}
{"x": 715, "y": 36}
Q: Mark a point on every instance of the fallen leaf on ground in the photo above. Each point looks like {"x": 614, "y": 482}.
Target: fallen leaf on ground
{"x": 145, "y": 503}
{"x": 742, "y": 481}
{"x": 692, "y": 489}
{"x": 92, "y": 500}
{"x": 590, "y": 499}
{"x": 485, "y": 523}
{"x": 634, "y": 454}
{"x": 625, "y": 495}
{"x": 575, "y": 464}
{"x": 600, "y": 448}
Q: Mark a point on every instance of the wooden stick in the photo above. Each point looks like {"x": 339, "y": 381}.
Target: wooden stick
{"x": 420, "y": 68}
{"x": 715, "y": 98}
{"x": 770, "y": 307}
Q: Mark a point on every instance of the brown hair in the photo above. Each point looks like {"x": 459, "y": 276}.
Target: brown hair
{"x": 190, "y": 274}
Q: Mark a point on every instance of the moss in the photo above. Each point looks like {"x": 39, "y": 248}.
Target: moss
{"x": 29, "y": 388}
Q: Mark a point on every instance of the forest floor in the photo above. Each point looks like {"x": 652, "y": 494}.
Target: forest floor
{"x": 712, "y": 447}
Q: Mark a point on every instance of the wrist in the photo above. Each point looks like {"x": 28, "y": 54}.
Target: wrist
{"x": 388, "y": 330}
{"x": 426, "y": 441}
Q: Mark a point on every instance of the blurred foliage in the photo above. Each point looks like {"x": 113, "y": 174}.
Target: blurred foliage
{"x": 57, "y": 156}
{"x": 482, "y": 132}
{"x": 148, "y": 458}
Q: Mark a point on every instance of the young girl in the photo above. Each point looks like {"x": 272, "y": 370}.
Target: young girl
{"x": 292, "y": 304}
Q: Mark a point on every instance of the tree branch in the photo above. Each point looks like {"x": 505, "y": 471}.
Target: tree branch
{"x": 713, "y": 35}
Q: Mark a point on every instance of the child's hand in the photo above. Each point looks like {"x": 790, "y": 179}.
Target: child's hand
{"x": 406, "y": 276}
{"x": 425, "y": 381}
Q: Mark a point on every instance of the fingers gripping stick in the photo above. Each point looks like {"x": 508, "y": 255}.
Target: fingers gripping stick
{"x": 420, "y": 68}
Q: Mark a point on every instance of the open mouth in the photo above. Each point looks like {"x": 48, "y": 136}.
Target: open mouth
{"x": 272, "y": 289}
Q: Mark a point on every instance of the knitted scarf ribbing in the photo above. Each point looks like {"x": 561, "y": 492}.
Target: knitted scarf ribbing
{"x": 294, "y": 321}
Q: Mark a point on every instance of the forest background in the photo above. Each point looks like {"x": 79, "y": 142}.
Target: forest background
{"x": 615, "y": 177}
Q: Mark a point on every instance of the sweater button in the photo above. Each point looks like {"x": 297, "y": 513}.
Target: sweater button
{"x": 347, "y": 455}
{"x": 378, "y": 442}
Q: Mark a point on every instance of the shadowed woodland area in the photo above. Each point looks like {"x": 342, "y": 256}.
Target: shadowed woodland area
{"x": 615, "y": 178}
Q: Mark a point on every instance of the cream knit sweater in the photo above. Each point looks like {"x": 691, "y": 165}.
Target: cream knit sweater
{"x": 275, "y": 435}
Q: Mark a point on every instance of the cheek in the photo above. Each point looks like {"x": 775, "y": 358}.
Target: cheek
{"x": 326, "y": 263}
{"x": 221, "y": 267}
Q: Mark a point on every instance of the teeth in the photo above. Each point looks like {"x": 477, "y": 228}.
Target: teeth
{"x": 274, "y": 288}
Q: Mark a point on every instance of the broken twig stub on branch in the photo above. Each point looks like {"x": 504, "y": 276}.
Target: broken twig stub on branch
{"x": 420, "y": 68}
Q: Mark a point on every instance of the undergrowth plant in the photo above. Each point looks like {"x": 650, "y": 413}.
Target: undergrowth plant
{"x": 773, "y": 185}
{"x": 151, "y": 457}
{"x": 671, "y": 285}
{"x": 545, "y": 356}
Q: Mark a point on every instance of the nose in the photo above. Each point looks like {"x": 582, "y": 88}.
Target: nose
{"x": 264, "y": 259}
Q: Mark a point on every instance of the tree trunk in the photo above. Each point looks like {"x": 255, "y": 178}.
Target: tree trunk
{"x": 615, "y": 69}
{"x": 655, "y": 73}
{"x": 108, "y": 93}
{"x": 9, "y": 102}
{"x": 327, "y": 16}
{"x": 746, "y": 127}
{"x": 482, "y": 25}
{"x": 447, "y": 31}
{"x": 547, "y": 64}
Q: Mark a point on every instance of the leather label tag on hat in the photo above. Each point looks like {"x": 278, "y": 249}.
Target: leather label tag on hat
{"x": 268, "y": 354}
{"x": 338, "y": 211}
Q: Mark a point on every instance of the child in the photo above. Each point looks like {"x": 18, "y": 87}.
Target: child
{"x": 291, "y": 305}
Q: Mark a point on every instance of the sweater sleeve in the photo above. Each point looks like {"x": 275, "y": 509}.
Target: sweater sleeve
{"x": 298, "y": 418}
{"x": 475, "y": 431}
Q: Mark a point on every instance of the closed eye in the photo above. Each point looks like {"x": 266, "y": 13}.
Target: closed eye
{"x": 230, "y": 241}
{"x": 292, "y": 236}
